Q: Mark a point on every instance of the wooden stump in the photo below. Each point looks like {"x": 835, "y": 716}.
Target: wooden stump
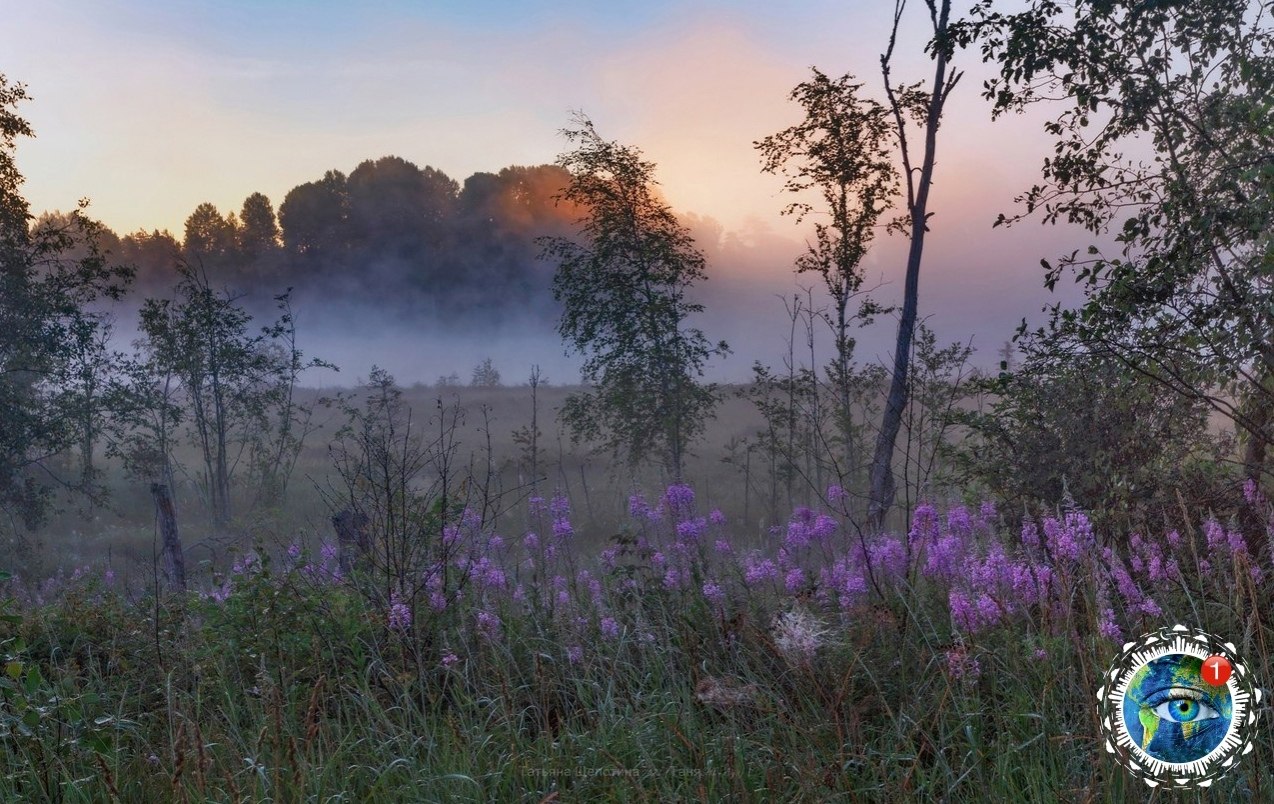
{"x": 351, "y": 537}
{"x": 174, "y": 561}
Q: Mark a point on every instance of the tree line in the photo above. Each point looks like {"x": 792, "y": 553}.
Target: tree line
{"x": 390, "y": 233}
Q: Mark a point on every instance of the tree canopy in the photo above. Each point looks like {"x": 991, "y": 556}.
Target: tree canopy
{"x": 622, "y": 283}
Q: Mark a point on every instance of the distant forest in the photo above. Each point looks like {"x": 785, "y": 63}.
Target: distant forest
{"x": 406, "y": 239}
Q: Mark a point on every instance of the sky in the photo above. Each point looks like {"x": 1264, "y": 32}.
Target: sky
{"x": 149, "y": 108}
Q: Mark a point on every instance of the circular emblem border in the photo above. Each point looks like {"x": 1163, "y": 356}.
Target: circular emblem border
{"x": 1246, "y": 697}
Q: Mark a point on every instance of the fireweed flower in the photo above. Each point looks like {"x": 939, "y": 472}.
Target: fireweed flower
{"x": 723, "y": 546}
{"x": 1252, "y": 493}
{"x": 560, "y": 506}
{"x": 716, "y": 517}
{"x": 835, "y": 494}
{"x": 822, "y": 528}
{"x": 798, "y": 536}
{"x": 794, "y": 580}
{"x": 759, "y": 571}
{"x": 1215, "y": 535}
{"x": 1030, "y": 534}
{"x": 987, "y": 512}
{"x": 672, "y": 578}
{"x": 575, "y": 654}
{"x": 399, "y": 614}
{"x": 962, "y": 666}
{"x": 450, "y": 535}
{"x": 846, "y": 581}
{"x": 924, "y": 524}
{"x": 679, "y": 497}
{"x": 964, "y": 612}
{"x": 608, "y": 557}
{"x": 888, "y": 557}
{"x": 691, "y": 529}
{"x": 562, "y": 527}
{"x": 488, "y": 624}
{"x": 959, "y": 522}
{"x": 609, "y": 628}
{"x": 946, "y": 556}
{"x": 712, "y": 591}
{"x": 594, "y": 586}
{"x": 449, "y": 659}
{"x": 637, "y": 506}
{"x": 531, "y": 541}
{"x": 294, "y": 551}
{"x": 1108, "y": 627}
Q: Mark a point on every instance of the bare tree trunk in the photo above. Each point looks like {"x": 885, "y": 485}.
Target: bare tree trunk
{"x": 174, "y": 561}
{"x": 882, "y": 476}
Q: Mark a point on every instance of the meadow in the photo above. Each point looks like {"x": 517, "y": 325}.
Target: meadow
{"x": 601, "y": 635}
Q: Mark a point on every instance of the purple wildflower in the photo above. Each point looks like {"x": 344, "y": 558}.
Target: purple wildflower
{"x": 679, "y": 496}
{"x": 562, "y": 527}
{"x": 672, "y": 578}
{"x": 488, "y": 624}
{"x": 758, "y": 571}
{"x": 962, "y": 666}
{"x": 1252, "y": 493}
{"x": 560, "y": 507}
{"x": 712, "y": 591}
{"x": 794, "y": 580}
{"x": 691, "y": 529}
{"x": 399, "y": 614}
{"x": 637, "y": 506}
{"x": 1108, "y": 627}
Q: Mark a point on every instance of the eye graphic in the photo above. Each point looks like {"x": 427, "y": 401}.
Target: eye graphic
{"x": 1169, "y": 716}
{"x": 1183, "y": 705}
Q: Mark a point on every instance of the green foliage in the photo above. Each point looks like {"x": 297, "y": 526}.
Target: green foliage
{"x": 940, "y": 380}
{"x": 1081, "y": 430}
{"x": 47, "y": 723}
{"x": 200, "y": 363}
{"x": 50, "y": 276}
{"x": 623, "y": 288}
{"x": 1187, "y": 300}
{"x": 842, "y": 150}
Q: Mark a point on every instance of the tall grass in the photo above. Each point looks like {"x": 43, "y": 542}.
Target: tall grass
{"x": 957, "y": 661}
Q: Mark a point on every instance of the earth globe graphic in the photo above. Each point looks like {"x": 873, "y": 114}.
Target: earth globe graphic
{"x": 1172, "y": 714}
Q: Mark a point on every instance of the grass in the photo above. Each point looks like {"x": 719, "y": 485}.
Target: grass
{"x": 613, "y": 674}
{"x": 295, "y": 688}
